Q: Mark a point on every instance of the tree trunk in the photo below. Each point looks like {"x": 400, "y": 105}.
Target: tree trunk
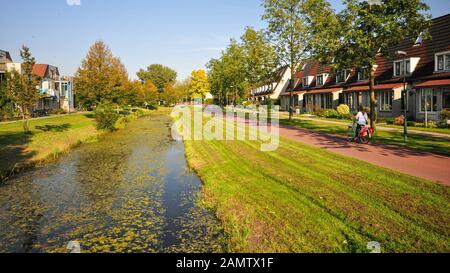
{"x": 26, "y": 128}
{"x": 291, "y": 95}
{"x": 373, "y": 102}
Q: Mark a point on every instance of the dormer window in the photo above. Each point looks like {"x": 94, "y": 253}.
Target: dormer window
{"x": 399, "y": 66}
{"x": 343, "y": 75}
{"x": 442, "y": 62}
{"x": 363, "y": 74}
{"x": 321, "y": 79}
{"x": 306, "y": 81}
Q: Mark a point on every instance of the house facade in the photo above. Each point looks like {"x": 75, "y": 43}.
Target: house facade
{"x": 273, "y": 91}
{"x": 5, "y": 60}
{"x": 426, "y": 67}
{"x": 48, "y": 76}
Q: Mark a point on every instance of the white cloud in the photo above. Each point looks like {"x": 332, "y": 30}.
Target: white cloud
{"x": 73, "y": 2}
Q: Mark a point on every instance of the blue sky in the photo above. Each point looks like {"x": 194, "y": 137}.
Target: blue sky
{"x": 183, "y": 34}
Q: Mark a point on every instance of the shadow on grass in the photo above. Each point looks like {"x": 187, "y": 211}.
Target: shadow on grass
{"x": 90, "y": 115}
{"x": 54, "y": 128}
{"x": 13, "y": 152}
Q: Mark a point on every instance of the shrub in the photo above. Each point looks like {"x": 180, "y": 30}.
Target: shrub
{"x": 139, "y": 113}
{"x": 58, "y": 112}
{"x": 331, "y": 113}
{"x": 343, "y": 110}
{"x": 106, "y": 117}
{"x": 445, "y": 115}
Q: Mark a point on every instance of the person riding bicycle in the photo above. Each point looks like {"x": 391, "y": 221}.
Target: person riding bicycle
{"x": 362, "y": 120}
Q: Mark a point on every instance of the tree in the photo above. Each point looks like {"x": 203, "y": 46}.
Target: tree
{"x": 287, "y": 30}
{"x": 159, "y": 75}
{"x": 6, "y": 105}
{"x": 199, "y": 85}
{"x": 216, "y": 79}
{"x": 149, "y": 96}
{"x": 21, "y": 88}
{"x": 182, "y": 89}
{"x": 365, "y": 29}
{"x": 260, "y": 58}
{"x": 234, "y": 69}
{"x": 101, "y": 77}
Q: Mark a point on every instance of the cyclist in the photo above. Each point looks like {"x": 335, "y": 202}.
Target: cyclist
{"x": 362, "y": 120}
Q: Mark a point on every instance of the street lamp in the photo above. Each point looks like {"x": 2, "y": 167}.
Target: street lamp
{"x": 405, "y": 94}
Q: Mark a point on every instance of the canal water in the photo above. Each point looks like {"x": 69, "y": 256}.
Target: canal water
{"x": 130, "y": 192}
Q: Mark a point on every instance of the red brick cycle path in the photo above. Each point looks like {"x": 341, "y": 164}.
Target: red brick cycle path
{"x": 417, "y": 163}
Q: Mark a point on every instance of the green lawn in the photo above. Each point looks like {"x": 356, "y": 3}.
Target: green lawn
{"x": 48, "y": 138}
{"x": 304, "y": 199}
{"x": 418, "y": 142}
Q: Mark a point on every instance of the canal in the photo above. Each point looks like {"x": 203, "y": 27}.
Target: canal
{"x": 131, "y": 191}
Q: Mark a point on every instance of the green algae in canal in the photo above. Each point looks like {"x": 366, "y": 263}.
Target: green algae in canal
{"x": 130, "y": 192}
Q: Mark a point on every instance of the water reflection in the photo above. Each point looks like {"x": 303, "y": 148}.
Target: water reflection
{"x": 130, "y": 192}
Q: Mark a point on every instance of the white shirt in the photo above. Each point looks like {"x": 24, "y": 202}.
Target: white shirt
{"x": 362, "y": 118}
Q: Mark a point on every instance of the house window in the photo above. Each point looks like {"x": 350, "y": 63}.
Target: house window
{"x": 363, "y": 74}
{"x": 385, "y": 99}
{"x": 443, "y": 62}
{"x": 350, "y": 99}
{"x": 399, "y": 68}
{"x": 319, "y": 80}
{"x": 446, "y": 99}
{"x": 342, "y": 76}
{"x": 305, "y": 82}
{"x": 428, "y": 100}
{"x": 326, "y": 101}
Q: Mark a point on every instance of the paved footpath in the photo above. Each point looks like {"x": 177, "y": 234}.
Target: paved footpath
{"x": 411, "y": 131}
{"x": 420, "y": 164}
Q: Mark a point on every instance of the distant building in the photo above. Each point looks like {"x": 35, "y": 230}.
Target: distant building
{"x": 5, "y": 59}
{"x": 65, "y": 92}
{"x": 48, "y": 76}
{"x": 274, "y": 89}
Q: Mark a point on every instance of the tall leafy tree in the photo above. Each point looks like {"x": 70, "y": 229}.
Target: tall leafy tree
{"x": 234, "y": 69}
{"x": 101, "y": 77}
{"x": 199, "y": 85}
{"x": 216, "y": 79}
{"x": 159, "y": 75}
{"x": 365, "y": 29}
{"x": 260, "y": 58}
{"x": 287, "y": 30}
{"x": 21, "y": 88}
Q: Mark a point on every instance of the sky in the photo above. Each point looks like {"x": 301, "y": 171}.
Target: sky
{"x": 182, "y": 34}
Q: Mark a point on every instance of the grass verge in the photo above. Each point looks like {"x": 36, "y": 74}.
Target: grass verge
{"x": 49, "y": 138}
{"x": 304, "y": 199}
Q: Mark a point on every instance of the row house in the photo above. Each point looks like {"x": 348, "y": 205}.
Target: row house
{"x": 273, "y": 91}
{"x": 426, "y": 67}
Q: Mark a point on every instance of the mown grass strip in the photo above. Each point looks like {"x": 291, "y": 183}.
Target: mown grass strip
{"x": 304, "y": 199}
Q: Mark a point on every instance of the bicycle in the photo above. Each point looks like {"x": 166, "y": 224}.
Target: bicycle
{"x": 364, "y": 135}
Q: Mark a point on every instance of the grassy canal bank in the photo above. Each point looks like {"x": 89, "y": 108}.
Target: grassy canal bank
{"x": 48, "y": 139}
{"x": 304, "y": 199}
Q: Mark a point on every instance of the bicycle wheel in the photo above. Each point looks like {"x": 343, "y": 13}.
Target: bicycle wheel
{"x": 365, "y": 139}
